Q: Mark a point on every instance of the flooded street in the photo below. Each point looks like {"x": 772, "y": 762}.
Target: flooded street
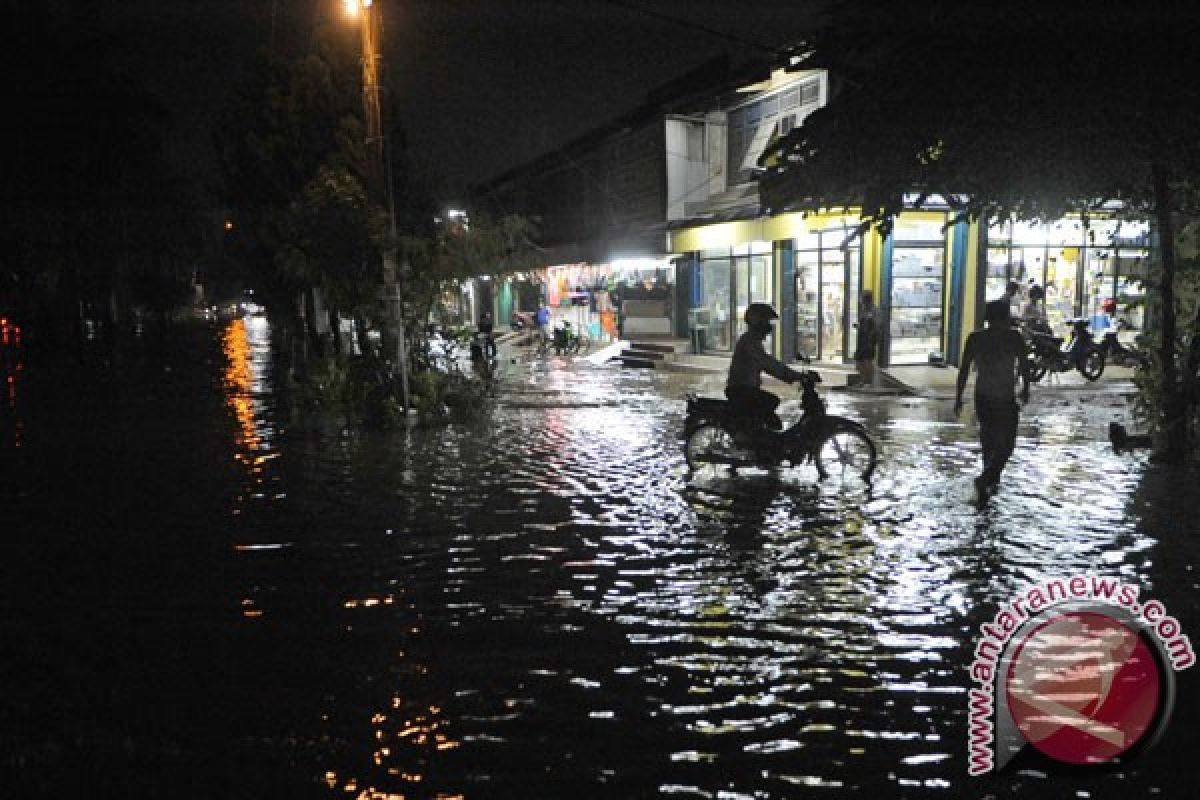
{"x": 209, "y": 594}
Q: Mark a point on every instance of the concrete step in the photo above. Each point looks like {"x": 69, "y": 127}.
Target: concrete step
{"x": 657, "y": 347}
{"x": 511, "y": 337}
{"x": 693, "y": 369}
{"x": 653, "y": 355}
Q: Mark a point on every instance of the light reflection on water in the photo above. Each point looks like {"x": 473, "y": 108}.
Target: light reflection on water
{"x": 549, "y": 606}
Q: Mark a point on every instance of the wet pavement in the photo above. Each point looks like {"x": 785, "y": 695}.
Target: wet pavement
{"x": 213, "y": 595}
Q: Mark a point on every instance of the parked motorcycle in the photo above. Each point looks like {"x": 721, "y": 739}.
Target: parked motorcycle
{"x": 1120, "y": 355}
{"x": 714, "y": 435}
{"x": 566, "y": 341}
{"x": 1048, "y": 353}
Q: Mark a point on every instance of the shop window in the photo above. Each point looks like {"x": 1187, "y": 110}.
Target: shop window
{"x": 715, "y": 300}
{"x": 808, "y": 309}
{"x": 695, "y": 141}
{"x": 918, "y": 275}
{"x": 810, "y": 92}
{"x": 826, "y": 304}
{"x": 997, "y": 272}
{"x": 908, "y": 229}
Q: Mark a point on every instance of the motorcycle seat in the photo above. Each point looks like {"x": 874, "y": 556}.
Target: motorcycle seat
{"x": 712, "y": 404}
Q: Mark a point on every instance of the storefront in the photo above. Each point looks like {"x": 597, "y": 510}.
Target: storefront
{"x": 914, "y": 281}
{"x": 625, "y": 298}
{"x": 729, "y": 280}
{"x": 1080, "y": 267}
{"x": 930, "y": 278}
{"x": 809, "y": 267}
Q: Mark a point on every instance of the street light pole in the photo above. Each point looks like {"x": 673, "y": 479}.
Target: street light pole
{"x": 378, "y": 180}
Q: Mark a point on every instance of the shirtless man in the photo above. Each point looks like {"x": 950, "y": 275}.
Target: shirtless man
{"x": 997, "y": 352}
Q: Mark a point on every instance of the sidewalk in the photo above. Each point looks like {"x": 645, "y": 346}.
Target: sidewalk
{"x": 918, "y": 380}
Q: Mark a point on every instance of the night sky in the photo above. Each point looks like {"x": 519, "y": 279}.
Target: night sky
{"x": 480, "y": 85}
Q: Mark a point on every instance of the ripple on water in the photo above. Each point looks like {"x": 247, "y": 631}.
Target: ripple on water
{"x": 722, "y": 637}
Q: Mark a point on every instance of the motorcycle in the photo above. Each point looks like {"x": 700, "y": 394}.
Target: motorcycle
{"x": 839, "y": 447}
{"x": 565, "y": 341}
{"x": 1120, "y": 355}
{"x": 1048, "y": 353}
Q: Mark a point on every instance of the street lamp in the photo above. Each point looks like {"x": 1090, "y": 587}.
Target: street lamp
{"x": 370, "y": 24}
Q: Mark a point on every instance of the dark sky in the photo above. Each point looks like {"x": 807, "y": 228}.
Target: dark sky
{"x": 480, "y": 85}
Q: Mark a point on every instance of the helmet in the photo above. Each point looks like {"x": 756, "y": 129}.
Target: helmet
{"x": 759, "y": 315}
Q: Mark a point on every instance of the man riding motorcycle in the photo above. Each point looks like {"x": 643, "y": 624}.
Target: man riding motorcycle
{"x": 743, "y": 388}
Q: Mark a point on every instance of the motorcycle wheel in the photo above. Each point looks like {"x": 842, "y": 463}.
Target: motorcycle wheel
{"x": 1093, "y": 365}
{"x": 713, "y": 446}
{"x": 846, "y": 455}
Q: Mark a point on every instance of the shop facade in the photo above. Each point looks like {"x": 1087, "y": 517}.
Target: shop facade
{"x": 814, "y": 268}
{"x": 925, "y": 278}
{"x": 1084, "y": 268}
{"x": 623, "y": 298}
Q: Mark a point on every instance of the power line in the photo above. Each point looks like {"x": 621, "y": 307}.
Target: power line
{"x": 684, "y": 23}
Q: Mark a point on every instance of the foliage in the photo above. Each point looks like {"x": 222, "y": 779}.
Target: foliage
{"x": 329, "y": 237}
{"x": 1150, "y": 405}
{"x": 1022, "y": 110}
{"x": 291, "y": 151}
{"x": 456, "y": 253}
{"x": 91, "y": 215}
{"x": 442, "y": 396}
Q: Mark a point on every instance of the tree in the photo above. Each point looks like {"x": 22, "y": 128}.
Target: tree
{"x": 329, "y": 238}
{"x": 291, "y": 149}
{"x": 1023, "y": 110}
{"x": 93, "y": 220}
{"x": 456, "y": 253}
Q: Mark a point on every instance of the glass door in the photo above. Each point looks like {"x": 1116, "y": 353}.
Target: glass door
{"x": 808, "y": 308}
{"x": 853, "y": 291}
{"x": 754, "y": 284}
{"x": 715, "y": 300}
{"x": 833, "y": 305}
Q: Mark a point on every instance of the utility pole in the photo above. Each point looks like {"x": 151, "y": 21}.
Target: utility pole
{"x": 379, "y": 184}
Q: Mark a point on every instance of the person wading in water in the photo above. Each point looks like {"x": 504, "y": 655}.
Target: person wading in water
{"x": 998, "y": 353}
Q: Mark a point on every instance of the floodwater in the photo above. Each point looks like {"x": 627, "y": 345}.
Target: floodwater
{"x": 210, "y": 594}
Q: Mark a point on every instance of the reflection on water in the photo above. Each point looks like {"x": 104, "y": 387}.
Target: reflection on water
{"x": 566, "y": 611}
{"x": 246, "y": 346}
{"x": 545, "y": 605}
{"x": 12, "y": 424}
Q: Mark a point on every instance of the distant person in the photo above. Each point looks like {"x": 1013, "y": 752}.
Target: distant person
{"x": 997, "y": 352}
{"x": 750, "y": 360}
{"x": 867, "y": 342}
{"x": 1033, "y": 313}
{"x": 486, "y": 327}
{"x": 542, "y": 319}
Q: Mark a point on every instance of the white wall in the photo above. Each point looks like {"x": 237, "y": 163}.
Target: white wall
{"x": 695, "y": 168}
